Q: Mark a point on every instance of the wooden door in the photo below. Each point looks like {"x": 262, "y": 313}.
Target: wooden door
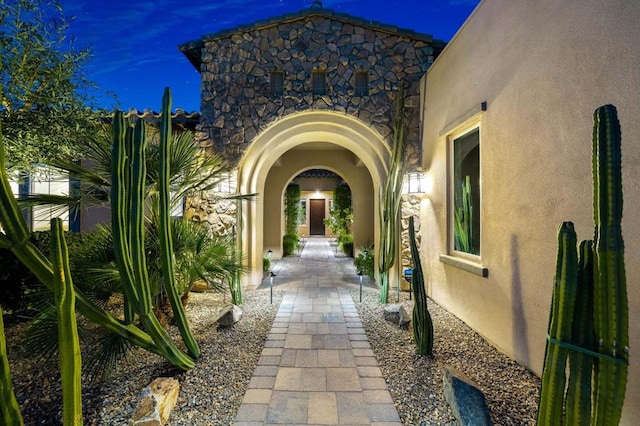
{"x": 316, "y": 217}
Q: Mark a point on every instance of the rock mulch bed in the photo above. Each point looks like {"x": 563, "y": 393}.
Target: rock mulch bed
{"x": 415, "y": 382}
{"x": 211, "y": 393}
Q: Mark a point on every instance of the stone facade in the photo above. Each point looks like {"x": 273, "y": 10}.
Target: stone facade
{"x": 236, "y": 66}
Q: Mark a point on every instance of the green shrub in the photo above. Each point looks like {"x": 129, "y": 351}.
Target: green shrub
{"x": 289, "y": 244}
{"x": 266, "y": 263}
{"x": 345, "y": 242}
{"x": 364, "y": 262}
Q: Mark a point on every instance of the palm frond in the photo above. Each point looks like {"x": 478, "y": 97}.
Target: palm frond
{"x": 108, "y": 352}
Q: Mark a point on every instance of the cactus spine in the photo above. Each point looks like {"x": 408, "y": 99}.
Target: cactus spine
{"x": 422, "y": 323}
{"x": 69, "y": 345}
{"x": 598, "y": 337}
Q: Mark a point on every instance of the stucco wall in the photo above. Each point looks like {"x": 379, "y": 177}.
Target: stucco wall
{"x": 341, "y": 162}
{"x": 542, "y": 67}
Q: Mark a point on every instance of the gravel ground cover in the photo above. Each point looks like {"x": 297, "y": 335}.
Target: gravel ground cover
{"x": 415, "y": 382}
{"x": 211, "y": 393}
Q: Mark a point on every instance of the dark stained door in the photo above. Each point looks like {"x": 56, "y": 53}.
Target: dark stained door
{"x": 316, "y": 217}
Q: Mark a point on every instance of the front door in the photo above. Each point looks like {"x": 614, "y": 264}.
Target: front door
{"x": 316, "y": 217}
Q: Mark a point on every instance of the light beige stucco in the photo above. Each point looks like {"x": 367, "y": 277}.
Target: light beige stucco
{"x": 342, "y": 162}
{"x": 365, "y": 148}
{"x": 542, "y": 67}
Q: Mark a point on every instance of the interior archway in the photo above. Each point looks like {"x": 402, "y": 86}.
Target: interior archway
{"x": 309, "y": 135}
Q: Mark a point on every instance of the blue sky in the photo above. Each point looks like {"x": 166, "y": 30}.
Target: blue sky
{"x": 135, "y": 43}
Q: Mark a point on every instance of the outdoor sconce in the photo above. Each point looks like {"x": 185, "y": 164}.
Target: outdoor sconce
{"x": 416, "y": 183}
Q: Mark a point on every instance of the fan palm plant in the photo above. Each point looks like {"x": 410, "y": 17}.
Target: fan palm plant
{"x": 197, "y": 254}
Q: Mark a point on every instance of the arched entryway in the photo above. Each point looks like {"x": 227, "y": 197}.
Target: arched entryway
{"x": 321, "y": 139}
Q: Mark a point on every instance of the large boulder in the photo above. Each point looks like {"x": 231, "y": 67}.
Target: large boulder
{"x": 156, "y": 402}
{"x": 466, "y": 401}
{"x": 397, "y": 314}
{"x": 231, "y": 317}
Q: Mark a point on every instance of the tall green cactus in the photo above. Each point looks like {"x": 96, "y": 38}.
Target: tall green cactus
{"x": 463, "y": 218}
{"x": 611, "y": 311}
{"x": 390, "y": 201}
{"x": 9, "y": 409}
{"x": 167, "y": 259}
{"x": 560, "y": 327}
{"x": 129, "y": 247}
{"x": 422, "y": 323}
{"x": 69, "y": 345}
{"x": 594, "y": 331}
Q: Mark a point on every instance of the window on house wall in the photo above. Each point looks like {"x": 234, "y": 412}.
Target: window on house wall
{"x": 319, "y": 81}
{"x": 466, "y": 192}
{"x": 50, "y": 182}
{"x": 276, "y": 79}
{"x": 177, "y": 209}
{"x": 362, "y": 83}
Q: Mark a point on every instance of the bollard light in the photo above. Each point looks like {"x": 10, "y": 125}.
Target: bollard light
{"x": 360, "y": 275}
{"x": 271, "y": 275}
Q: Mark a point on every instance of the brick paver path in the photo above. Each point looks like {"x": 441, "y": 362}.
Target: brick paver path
{"x": 317, "y": 366}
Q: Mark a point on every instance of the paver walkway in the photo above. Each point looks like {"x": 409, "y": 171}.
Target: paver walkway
{"x": 317, "y": 366}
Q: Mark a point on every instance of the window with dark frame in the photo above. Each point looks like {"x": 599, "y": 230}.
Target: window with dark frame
{"x": 466, "y": 192}
{"x": 276, "y": 79}
{"x": 362, "y": 83}
{"x": 319, "y": 81}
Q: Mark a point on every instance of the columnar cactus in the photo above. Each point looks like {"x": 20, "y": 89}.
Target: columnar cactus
{"x": 463, "y": 229}
{"x": 9, "y": 409}
{"x": 69, "y": 345}
{"x": 127, "y": 212}
{"x": 390, "y": 201}
{"x": 167, "y": 259}
{"x": 422, "y": 323}
{"x": 611, "y": 311}
{"x": 589, "y": 317}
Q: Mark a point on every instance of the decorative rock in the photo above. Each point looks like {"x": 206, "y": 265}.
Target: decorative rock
{"x": 405, "y": 317}
{"x": 396, "y": 314}
{"x": 391, "y": 313}
{"x": 231, "y": 317}
{"x": 465, "y": 399}
{"x": 156, "y": 402}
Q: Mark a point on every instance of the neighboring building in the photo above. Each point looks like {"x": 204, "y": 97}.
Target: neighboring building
{"x": 45, "y": 180}
{"x": 309, "y": 90}
{"x": 513, "y": 95}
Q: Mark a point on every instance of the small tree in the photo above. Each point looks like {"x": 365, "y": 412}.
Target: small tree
{"x": 44, "y": 95}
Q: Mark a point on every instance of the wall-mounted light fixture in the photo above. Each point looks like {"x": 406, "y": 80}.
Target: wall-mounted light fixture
{"x": 416, "y": 183}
